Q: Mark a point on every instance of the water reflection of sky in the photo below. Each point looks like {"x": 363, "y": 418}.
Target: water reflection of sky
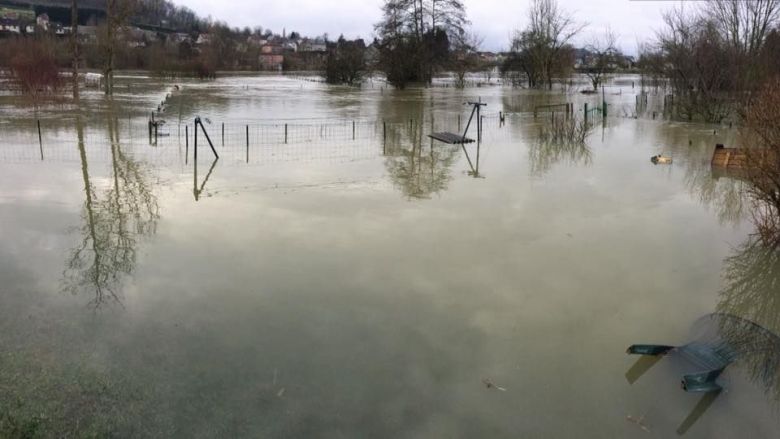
{"x": 368, "y": 288}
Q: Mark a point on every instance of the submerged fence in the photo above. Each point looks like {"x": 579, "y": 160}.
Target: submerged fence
{"x": 268, "y": 141}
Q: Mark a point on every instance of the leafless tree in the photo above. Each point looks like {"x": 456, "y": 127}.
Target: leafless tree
{"x": 117, "y": 14}
{"x": 744, "y": 24}
{"x": 763, "y": 161}
{"x": 543, "y": 49}
{"x": 604, "y": 55}
{"x": 465, "y": 56}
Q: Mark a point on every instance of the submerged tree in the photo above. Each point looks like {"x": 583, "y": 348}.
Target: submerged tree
{"x": 75, "y": 46}
{"x": 346, "y": 62}
{"x": 543, "y": 49}
{"x": 763, "y": 161}
{"x": 415, "y": 36}
{"x": 604, "y": 56}
{"x": 464, "y": 56}
{"x": 714, "y": 55}
{"x": 117, "y": 14}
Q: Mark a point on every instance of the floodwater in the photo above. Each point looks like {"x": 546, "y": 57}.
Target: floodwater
{"x": 361, "y": 280}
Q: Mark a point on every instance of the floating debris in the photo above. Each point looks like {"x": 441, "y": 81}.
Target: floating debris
{"x": 490, "y": 385}
{"x": 639, "y": 422}
{"x": 661, "y": 160}
{"x": 281, "y": 393}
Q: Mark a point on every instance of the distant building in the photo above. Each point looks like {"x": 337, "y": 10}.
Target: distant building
{"x": 11, "y": 26}
{"x": 256, "y": 41}
{"x": 290, "y": 46}
{"x": 271, "y": 57}
{"x": 16, "y": 13}
{"x": 43, "y": 21}
{"x": 87, "y": 33}
{"x": 203, "y": 39}
{"x": 313, "y": 46}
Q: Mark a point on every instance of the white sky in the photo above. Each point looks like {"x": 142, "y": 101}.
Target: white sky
{"x": 494, "y": 20}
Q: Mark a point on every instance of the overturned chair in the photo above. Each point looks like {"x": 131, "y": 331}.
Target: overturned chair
{"x": 720, "y": 340}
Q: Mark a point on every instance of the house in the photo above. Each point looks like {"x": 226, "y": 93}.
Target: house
{"x": 256, "y": 41}
{"x": 21, "y": 15}
{"x": 43, "y": 21}
{"x": 203, "y": 39}
{"x": 87, "y": 33}
{"x": 271, "y": 57}
{"x": 8, "y": 25}
{"x": 313, "y": 46}
{"x": 290, "y": 46}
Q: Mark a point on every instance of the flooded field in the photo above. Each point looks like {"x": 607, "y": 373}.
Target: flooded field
{"x": 337, "y": 274}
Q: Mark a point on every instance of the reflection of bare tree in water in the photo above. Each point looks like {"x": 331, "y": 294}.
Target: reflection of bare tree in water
{"x": 723, "y": 194}
{"x": 752, "y": 292}
{"x": 113, "y": 222}
{"x": 419, "y": 173}
{"x": 561, "y": 140}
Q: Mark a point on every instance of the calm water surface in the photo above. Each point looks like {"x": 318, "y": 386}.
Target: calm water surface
{"x": 331, "y": 287}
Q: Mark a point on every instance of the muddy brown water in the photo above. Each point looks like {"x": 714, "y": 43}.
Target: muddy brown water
{"x": 331, "y": 287}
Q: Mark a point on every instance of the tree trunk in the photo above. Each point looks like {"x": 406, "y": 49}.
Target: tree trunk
{"x": 108, "y": 70}
{"x": 74, "y": 39}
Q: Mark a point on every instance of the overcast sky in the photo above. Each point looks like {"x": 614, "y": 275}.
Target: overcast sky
{"x": 494, "y": 20}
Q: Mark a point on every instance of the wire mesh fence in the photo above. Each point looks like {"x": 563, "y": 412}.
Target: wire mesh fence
{"x": 251, "y": 142}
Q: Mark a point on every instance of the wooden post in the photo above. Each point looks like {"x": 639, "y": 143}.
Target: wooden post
{"x": 247, "y": 143}
{"x": 186, "y": 144}
{"x": 353, "y": 130}
{"x": 384, "y": 130}
{"x": 285, "y": 134}
{"x": 586, "y": 112}
{"x": 195, "y": 151}
{"x": 223, "y": 133}
{"x": 40, "y": 138}
{"x": 458, "y": 122}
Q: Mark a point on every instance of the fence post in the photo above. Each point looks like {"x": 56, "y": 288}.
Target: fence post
{"x": 285, "y": 134}
{"x": 353, "y": 130}
{"x": 384, "y": 130}
{"x": 586, "y": 112}
{"x": 40, "y": 138}
{"x": 195, "y": 151}
{"x": 223, "y": 133}
{"x": 247, "y": 143}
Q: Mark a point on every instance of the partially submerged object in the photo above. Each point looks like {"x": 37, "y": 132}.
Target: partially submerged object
{"x": 661, "y": 160}
{"x": 729, "y": 160}
{"x": 93, "y": 80}
{"x": 450, "y": 138}
{"x": 458, "y": 139}
{"x": 719, "y": 341}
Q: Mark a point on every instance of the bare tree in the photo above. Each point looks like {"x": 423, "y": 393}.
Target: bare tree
{"x": 745, "y": 24}
{"x": 464, "y": 56}
{"x": 117, "y": 14}
{"x": 543, "y": 50}
{"x": 603, "y": 55}
{"x": 763, "y": 161}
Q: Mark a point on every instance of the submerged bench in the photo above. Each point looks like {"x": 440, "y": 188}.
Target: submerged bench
{"x": 451, "y": 138}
